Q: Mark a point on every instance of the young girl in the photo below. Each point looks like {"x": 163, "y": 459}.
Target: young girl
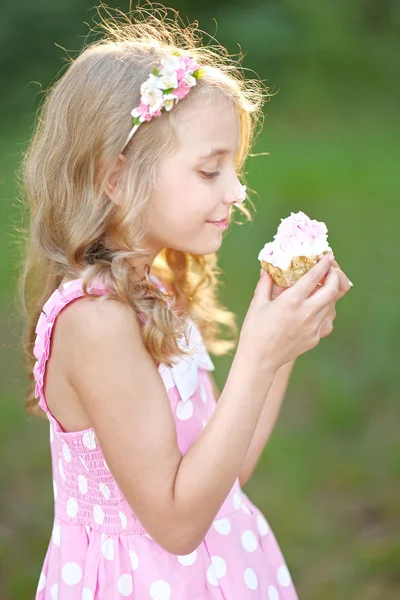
{"x": 131, "y": 179}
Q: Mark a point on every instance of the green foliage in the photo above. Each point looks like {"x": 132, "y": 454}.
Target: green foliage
{"x": 328, "y": 481}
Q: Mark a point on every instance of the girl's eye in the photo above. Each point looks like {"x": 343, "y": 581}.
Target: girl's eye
{"x": 207, "y": 175}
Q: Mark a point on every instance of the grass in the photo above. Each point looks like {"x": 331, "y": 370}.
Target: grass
{"x": 328, "y": 479}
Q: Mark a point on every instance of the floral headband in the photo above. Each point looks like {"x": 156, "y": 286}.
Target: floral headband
{"x": 164, "y": 88}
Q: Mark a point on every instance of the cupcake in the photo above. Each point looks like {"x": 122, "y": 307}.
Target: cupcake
{"x": 298, "y": 245}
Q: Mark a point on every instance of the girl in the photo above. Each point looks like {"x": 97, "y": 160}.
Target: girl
{"x": 131, "y": 179}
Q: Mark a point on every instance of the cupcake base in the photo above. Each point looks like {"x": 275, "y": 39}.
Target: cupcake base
{"x": 299, "y": 266}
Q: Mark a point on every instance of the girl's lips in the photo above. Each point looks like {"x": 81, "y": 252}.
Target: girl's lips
{"x": 221, "y": 224}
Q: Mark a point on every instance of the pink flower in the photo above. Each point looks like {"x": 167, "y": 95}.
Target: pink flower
{"x": 190, "y": 64}
{"x": 157, "y": 113}
{"x": 180, "y": 74}
{"x": 182, "y": 91}
{"x": 143, "y": 108}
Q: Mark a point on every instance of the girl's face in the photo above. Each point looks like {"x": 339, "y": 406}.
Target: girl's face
{"x": 197, "y": 182}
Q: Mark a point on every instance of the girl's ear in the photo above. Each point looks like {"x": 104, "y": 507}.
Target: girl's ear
{"x": 113, "y": 190}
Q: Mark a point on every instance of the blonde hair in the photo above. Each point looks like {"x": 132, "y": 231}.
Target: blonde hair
{"x": 80, "y": 131}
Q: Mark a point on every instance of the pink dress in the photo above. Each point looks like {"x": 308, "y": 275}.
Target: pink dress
{"x": 99, "y": 549}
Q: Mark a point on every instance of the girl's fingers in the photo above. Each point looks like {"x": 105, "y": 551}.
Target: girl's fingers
{"x": 327, "y": 293}
{"x": 303, "y": 288}
{"x": 344, "y": 283}
{"x": 263, "y": 289}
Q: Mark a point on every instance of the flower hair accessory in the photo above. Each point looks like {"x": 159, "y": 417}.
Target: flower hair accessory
{"x": 164, "y": 87}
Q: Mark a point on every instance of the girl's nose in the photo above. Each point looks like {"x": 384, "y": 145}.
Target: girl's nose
{"x": 236, "y": 195}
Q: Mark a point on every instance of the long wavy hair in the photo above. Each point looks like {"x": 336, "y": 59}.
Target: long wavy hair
{"x": 80, "y": 130}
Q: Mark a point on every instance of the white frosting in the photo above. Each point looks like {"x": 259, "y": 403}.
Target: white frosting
{"x": 297, "y": 235}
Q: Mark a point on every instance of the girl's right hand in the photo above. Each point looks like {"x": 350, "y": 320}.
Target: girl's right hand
{"x": 275, "y": 332}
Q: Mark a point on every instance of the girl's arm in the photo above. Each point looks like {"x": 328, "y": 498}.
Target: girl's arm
{"x": 266, "y": 422}
{"x": 175, "y": 497}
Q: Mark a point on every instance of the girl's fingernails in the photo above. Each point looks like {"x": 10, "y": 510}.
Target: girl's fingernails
{"x": 351, "y": 284}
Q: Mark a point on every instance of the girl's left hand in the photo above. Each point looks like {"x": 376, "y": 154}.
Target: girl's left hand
{"x": 344, "y": 286}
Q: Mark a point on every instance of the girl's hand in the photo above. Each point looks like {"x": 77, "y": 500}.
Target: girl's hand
{"x": 344, "y": 286}
{"x": 278, "y": 330}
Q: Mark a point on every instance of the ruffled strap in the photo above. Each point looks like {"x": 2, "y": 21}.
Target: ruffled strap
{"x": 183, "y": 375}
{"x": 41, "y": 350}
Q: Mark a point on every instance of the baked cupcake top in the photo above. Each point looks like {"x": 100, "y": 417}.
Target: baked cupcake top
{"x": 297, "y": 235}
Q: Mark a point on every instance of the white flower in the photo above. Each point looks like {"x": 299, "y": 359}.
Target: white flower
{"x": 169, "y": 101}
{"x": 171, "y": 63}
{"x": 190, "y": 80}
{"x": 153, "y": 98}
{"x": 165, "y": 82}
{"x": 150, "y": 84}
{"x": 137, "y": 113}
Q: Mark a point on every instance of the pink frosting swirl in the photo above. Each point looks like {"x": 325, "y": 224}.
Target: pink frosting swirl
{"x": 297, "y": 235}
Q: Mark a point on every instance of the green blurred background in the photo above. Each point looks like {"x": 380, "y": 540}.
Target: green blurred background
{"x": 328, "y": 481}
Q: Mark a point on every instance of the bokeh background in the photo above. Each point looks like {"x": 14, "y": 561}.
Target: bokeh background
{"x": 328, "y": 480}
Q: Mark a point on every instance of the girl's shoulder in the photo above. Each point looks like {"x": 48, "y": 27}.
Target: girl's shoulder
{"x": 98, "y": 319}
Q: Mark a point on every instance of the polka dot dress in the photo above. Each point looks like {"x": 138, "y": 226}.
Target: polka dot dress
{"x": 99, "y": 550}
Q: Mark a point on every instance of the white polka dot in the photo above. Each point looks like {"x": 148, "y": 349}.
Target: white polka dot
{"x": 237, "y": 500}
{"x": 273, "y": 593}
{"x": 134, "y": 560}
{"x": 106, "y": 465}
{"x": 125, "y": 584}
{"x": 262, "y": 525}
{"x": 67, "y": 453}
{"x": 216, "y": 570}
{"x": 204, "y": 423}
{"x": 124, "y": 520}
{"x": 223, "y": 526}
{"x": 54, "y": 591}
{"x": 98, "y": 514}
{"x": 83, "y": 486}
{"x": 72, "y": 507}
{"x": 108, "y": 549}
{"x": 60, "y": 468}
{"x": 83, "y": 462}
{"x": 148, "y": 536}
{"x": 249, "y": 541}
{"x": 105, "y": 490}
{"x": 219, "y": 565}
{"x": 55, "y": 489}
{"x": 250, "y": 579}
{"x": 42, "y": 582}
{"x": 89, "y": 440}
{"x": 87, "y": 594}
{"x": 51, "y": 434}
{"x": 184, "y": 410}
{"x": 203, "y": 393}
{"x": 56, "y": 535}
{"x": 71, "y": 573}
{"x": 212, "y": 576}
{"x": 284, "y": 576}
{"x": 87, "y": 529}
{"x": 245, "y": 509}
{"x": 160, "y": 590}
{"x": 188, "y": 559}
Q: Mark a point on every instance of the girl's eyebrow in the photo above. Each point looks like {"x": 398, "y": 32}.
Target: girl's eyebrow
{"x": 215, "y": 152}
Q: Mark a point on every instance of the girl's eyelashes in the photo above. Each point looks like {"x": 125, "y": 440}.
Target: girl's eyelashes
{"x": 208, "y": 175}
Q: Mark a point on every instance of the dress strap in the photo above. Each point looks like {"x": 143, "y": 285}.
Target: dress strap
{"x": 70, "y": 291}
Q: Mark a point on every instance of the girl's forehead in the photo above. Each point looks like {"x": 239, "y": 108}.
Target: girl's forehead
{"x": 206, "y": 125}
